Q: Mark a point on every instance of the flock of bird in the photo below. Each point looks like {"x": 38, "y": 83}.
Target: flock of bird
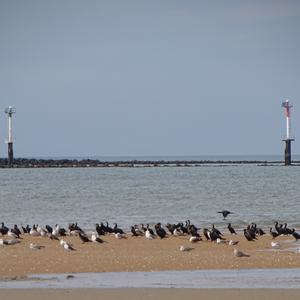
{"x": 251, "y": 233}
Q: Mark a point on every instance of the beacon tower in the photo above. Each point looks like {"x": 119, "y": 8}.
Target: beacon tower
{"x": 10, "y": 111}
{"x": 288, "y": 138}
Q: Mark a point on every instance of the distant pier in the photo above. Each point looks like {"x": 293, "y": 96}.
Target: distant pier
{"x": 94, "y": 163}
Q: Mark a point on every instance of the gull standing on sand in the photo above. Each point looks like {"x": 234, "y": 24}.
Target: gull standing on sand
{"x": 194, "y": 239}
{"x": 35, "y": 247}
{"x": 58, "y": 231}
{"x": 55, "y": 231}
{"x": 183, "y": 248}
{"x": 12, "y": 235}
{"x": 67, "y": 246}
{"x": 42, "y": 231}
{"x": 238, "y": 253}
{"x": 148, "y": 235}
{"x": 232, "y": 243}
{"x": 3, "y": 242}
{"x": 119, "y": 236}
{"x": 95, "y": 238}
{"x": 9, "y": 242}
{"x": 177, "y": 232}
{"x": 275, "y": 245}
{"x": 219, "y": 241}
{"x": 33, "y": 231}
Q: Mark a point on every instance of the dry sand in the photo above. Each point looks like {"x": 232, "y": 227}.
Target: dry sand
{"x": 149, "y": 294}
{"x": 139, "y": 254}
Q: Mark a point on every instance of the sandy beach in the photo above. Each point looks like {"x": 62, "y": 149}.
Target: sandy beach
{"x": 140, "y": 254}
{"x": 149, "y": 294}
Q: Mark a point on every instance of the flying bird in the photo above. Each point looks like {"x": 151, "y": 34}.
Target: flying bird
{"x": 225, "y": 213}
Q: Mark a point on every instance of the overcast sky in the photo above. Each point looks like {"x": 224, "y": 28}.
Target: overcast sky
{"x": 149, "y": 77}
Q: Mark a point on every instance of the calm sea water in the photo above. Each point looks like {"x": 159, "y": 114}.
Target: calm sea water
{"x": 261, "y": 194}
{"x": 253, "y": 278}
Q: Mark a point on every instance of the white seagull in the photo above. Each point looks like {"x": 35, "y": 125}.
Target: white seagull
{"x": 11, "y": 234}
{"x": 238, "y": 253}
{"x": 95, "y": 238}
{"x": 232, "y": 243}
{"x": 275, "y": 245}
{"x": 67, "y": 246}
{"x": 35, "y": 247}
{"x": 219, "y": 241}
{"x": 56, "y": 229}
{"x": 119, "y": 236}
{"x": 13, "y": 242}
{"x": 33, "y": 231}
{"x": 148, "y": 235}
{"x": 42, "y": 231}
{"x": 176, "y": 232}
{"x": 3, "y": 242}
{"x": 194, "y": 239}
{"x": 185, "y": 248}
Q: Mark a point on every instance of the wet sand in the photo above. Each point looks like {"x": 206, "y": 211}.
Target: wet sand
{"x": 148, "y": 294}
{"x": 140, "y": 254}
